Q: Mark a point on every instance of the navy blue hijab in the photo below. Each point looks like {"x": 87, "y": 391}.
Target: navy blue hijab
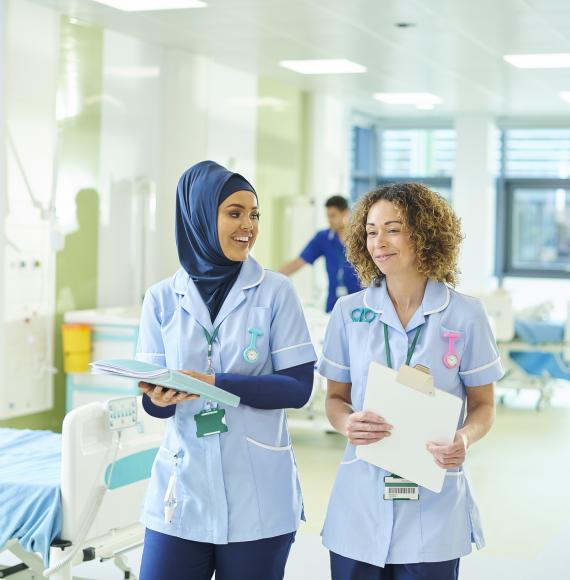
{"x": 201, "y": 189}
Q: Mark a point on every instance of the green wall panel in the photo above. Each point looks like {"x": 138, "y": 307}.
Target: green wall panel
{"x": 281, "y": 160}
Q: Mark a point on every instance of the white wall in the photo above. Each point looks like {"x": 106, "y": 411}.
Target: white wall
{"x": 3, "y": 189}
{"x": 162, "y": 111}
{"x": 528, "y": 292}
{"x": 328, "y": 173}
{"x": 130, "y": 149}
{"x": 474, "y": 200}
{"x": 200, "y": 122}
{"x": 232, "y": 118}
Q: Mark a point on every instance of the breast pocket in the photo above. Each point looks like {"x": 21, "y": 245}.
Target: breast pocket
{"x": 358, "y": 338}
{"x": 448, "y": 355}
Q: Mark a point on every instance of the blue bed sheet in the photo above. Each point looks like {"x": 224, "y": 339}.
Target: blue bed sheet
{"x": 539, "y": 363}
{"x": 535, "y": 331}
{"x": 30, "y": 496}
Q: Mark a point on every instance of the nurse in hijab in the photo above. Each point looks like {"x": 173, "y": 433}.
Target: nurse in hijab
{"x": 224, "y": 499}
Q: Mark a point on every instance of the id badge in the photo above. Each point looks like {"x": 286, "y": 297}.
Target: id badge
{"x": 210, "y": 422}
{"x": 397, "y": 488}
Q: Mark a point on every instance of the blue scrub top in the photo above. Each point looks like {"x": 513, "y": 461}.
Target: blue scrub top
{"x": 340, "y": 272}
{"x": 241, "y": 485}
{"x": 360, "y": 524}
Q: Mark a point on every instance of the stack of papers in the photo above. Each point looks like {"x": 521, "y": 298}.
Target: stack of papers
{"x": 157, "y": 375}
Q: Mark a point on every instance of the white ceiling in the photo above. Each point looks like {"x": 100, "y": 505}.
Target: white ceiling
{"x": 454, "y": 50}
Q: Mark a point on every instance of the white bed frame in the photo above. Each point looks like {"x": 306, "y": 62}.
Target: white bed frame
{"x": 500, "y": 310}
{"x": 86, "y": 446}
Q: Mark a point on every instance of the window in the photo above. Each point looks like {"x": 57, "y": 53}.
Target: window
{"x": 538, "y": 229}
{"x": 363, "y": 161}
{"x": 534, "y": 229}
{"x": 537, "y": 153}
{"x": 417, "y": 152}
{"x": 382, "y": 157}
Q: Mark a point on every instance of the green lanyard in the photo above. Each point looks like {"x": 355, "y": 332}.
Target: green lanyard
{"x": 210, "y": 338}
{"x": 410, "y": 350}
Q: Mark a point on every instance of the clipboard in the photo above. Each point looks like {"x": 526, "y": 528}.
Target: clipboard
{"x": 419, "y": 413}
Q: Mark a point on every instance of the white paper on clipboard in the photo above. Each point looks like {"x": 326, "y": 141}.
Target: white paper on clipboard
{"x": 417, "y": 417}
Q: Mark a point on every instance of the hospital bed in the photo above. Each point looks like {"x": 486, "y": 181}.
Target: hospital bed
{"x": 76, "y": 497}
{"x": 534, "y": 353}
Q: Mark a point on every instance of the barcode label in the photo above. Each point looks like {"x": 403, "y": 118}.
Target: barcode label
{"x": 402, "y": 493}
{"x": 401, "y": 490}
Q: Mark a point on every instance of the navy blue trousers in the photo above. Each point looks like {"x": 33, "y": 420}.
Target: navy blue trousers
{"x": 171, "y": 558}
{"x": 346, "y": 569}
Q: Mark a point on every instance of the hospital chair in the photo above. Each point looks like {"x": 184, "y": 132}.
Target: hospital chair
{"x": 107, "y": 450}
{"x": 534, "y": 353}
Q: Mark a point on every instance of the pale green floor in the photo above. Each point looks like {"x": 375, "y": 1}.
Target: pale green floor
{"x": 519, "y": 473}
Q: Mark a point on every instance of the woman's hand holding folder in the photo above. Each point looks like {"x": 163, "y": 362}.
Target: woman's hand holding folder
{"x": 163, "y": 397}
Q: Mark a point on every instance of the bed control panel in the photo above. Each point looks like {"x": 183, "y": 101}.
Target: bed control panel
{"x": 122, "y": 413}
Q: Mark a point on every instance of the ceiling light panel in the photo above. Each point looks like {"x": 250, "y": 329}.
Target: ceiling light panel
{"x": 565, "y": 96}
{"x": 422, "y": 100}
{"x": 559, "y": 60}
{"x": 330, "y": 66}
{"x": 144, "y": 5}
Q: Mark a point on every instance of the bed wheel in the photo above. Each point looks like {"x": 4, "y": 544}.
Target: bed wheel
{"x": 121, "y": 563}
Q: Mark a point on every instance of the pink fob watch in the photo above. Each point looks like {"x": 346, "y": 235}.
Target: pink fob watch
{"x": 451, "y": 358}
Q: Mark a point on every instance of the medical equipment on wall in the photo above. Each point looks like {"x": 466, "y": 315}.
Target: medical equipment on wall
{"x": 28, "y": 308}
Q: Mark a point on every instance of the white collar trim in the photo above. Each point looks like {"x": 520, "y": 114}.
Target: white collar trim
{"x": 444, "y": 305}
{"x": 255, "y": 283}
{"x": 181, "y": 279}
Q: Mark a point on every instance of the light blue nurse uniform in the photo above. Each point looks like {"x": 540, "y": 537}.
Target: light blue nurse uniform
{"x": 360, "y": 524}
{"x": 241, "y": 485}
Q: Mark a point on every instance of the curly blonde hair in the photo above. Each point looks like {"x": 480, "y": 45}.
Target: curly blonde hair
{"x": 435, "y": 232}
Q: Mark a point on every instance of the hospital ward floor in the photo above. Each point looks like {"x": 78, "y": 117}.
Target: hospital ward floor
{"x": 519, "y": 473}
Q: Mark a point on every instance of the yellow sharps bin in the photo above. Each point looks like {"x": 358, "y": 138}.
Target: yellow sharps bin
{"x": 76, "y": 347}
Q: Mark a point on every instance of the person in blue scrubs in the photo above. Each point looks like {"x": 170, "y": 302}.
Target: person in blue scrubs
{"x": 404, "y": 243}
{"x": 224, "y": 495}
{"x": 329, "y": 243}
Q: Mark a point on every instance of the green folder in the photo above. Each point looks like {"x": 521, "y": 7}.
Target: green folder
{"x": 157, "y": 375}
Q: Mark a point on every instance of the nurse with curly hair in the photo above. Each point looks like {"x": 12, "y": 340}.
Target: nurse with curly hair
{"x": 404, "y": 242}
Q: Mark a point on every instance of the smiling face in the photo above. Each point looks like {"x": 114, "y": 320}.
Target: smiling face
{"x": 238, "y": 224}
{"x": 388, "y": 239}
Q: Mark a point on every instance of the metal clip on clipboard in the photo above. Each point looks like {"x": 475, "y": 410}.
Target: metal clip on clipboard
{"x": 417, "y": 378}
